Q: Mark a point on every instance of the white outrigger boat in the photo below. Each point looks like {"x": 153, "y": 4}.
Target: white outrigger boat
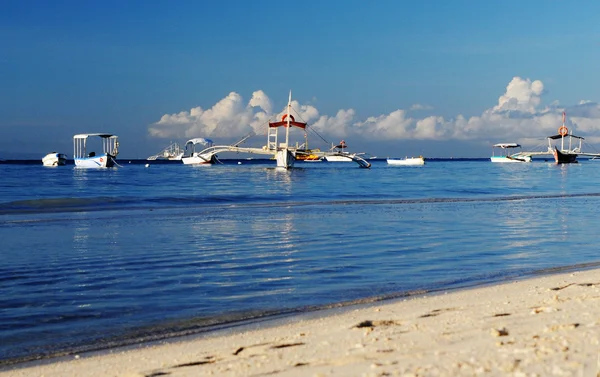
{"x": 283, "y": 152}
{"x": 173, "y": 152}
{"x": 338, "y": 154}
{"x": 54, "y": 159}
{"x": 508, "y": 154}
{"x": 407, "y": 161}
{"x": 105, "y": 159}
{"x": 192, "y": 156}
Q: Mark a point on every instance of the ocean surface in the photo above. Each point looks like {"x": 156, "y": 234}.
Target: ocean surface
{"x": 97, "y": 258}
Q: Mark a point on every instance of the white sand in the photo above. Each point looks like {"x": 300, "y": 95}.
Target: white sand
{"x": 547, "y": 326}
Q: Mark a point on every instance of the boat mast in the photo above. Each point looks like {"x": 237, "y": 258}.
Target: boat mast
{"x": 287, "y": 128}
{"x": 562, "y": 141}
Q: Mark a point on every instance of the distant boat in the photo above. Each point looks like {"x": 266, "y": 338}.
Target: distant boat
{"x": 54, "y": 159}
{"x": 567, "y": 154}
{"x": 104, "y": 159}
{"x": 173, "y": 152}
{"x": 510, "y": 152}
{"x": 407, "y": 161}
{"x": 303, "y": 153}
{"x": 193, "y": 152}
{"x": 338, "y": 154}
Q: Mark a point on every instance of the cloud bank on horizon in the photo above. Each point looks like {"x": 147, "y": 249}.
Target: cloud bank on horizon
{"x": 519, "y": 116}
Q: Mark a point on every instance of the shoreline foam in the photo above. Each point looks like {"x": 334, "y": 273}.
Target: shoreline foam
{"x": 543, "y": 326}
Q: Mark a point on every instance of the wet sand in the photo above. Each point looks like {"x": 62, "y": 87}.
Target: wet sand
{"x": 546, "y": 326}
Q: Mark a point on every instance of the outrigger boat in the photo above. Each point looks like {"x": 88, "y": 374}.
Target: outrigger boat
{"x": 338, "y": 154}
{"x": 567, "y": 154}
{"x": 172, "y": 152}
{"x": 193, "y": 157}
{"x": 283, "y": 152}
{"x": 106, "y": 159}
{"x": 507, "y": 155}
{"x": 564, "y": 146}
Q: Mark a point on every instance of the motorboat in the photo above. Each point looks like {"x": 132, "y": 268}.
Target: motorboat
{"x": 407, "y": 161}
{"x": 54, "y": 159}
{"x": 194, "y": 154}
{"x": 86, "y": 157}
{"x": 508, "y": 152}
{"x": 173, "y": 152}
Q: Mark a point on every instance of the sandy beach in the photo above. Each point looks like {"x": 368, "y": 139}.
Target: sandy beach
{"x": 546, "y": 326}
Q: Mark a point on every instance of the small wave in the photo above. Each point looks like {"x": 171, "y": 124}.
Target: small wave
{"x": 38, "y": 206}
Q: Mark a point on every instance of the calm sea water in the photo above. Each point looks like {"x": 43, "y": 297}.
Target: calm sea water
{"x": 97, "y": 258}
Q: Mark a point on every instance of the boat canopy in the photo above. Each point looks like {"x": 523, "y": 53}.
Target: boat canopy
{"x": 85, "y": 136}
{"x": 507, "y": 145}
{"x": 200, "y": 140}
{"x": 555, "y": 137}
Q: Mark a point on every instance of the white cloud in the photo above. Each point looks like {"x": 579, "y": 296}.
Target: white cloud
{"x": 522, "y": 95}
{"x": 418, "y": 106}
{"x": 519, "y": 116}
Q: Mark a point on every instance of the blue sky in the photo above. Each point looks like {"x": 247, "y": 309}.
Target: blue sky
{"x": 392, "y": 78}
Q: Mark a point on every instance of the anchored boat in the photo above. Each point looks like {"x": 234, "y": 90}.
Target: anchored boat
{"x": 54, "y": 159}
{"x": 407, "y": 161}
{"x": 194, "y": 154}
{"x": 84, "y": 158}
{"x": 172, "y": 152}
{"x": 508, "y": 152}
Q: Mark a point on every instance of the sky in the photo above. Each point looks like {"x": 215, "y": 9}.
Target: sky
{"x": 392, "y": 78}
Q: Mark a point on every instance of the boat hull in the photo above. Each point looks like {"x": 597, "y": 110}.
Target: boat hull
{"x": 100, "y": 161}
{"x": 199, "y": 159}
{"x": 285, "y": 159}
{"x": 54, "y": 159}
{"x": 338, "y": 158}
{"x": 564, "y": 158}
{"x": 406, "y": 161}
{"x": 510, "y": 159}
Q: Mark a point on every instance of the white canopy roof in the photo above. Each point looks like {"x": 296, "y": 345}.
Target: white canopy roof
{"x": 507, "y": 145}
{"x": 200, "y": 140}
{"x": 85, "y": 136}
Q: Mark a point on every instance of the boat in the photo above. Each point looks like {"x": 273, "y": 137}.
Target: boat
{"x": 308, "y": 155}
{"x": 569, "y": 150}
{"x": 303, "y": 153}
{"x": 109, "y": 145}
{"x": 284, "y": 154}
{"x": 193, "y": 154}
{"x": 407, "y": 161}
{"x": 173, "y": 152}
{"x": 339, "y": 154}
{"x": 509, "y": 152}
{"x": 54, "y": 159}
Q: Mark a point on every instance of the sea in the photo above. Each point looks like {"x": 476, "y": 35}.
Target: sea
{"x": 93, "y": 259}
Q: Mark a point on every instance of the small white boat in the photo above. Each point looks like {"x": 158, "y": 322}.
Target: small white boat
{"x": 193, "y": 152}
{"x": 108, "y": 144}
{"x": 54, "y": 159}
{"x": 508, "y": 153}
{"x": 407, "y": 161}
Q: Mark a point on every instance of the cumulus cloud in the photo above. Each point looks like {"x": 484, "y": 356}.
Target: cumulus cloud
{"x": 521, "y": 95}
{"x": 518, "y": 116}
